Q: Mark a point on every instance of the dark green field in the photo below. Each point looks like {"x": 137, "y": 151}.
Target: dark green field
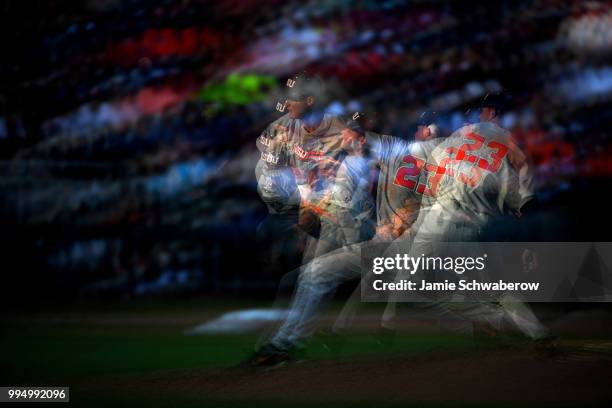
{"x": 138, "y": 355}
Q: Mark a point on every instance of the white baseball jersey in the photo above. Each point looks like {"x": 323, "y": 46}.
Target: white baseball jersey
{"x": 478, "y": 178}
{"x": 276, "y": 182}
{"x": 403, "y": 181}
{"x": 286, "y": 143}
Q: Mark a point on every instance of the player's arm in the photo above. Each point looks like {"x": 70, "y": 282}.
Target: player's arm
{"x": 400, "y": 223}
{"x": 319, "y": 204}
{"x": 527, "y": 205}
{"x": 380, "y": 146}
{"x": 523, "y": 180}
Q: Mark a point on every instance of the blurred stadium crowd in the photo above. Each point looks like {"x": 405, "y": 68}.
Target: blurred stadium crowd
{"x": 127, "y": 128}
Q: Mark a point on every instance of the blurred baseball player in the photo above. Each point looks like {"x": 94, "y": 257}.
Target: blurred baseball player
{"x": 324, "y": 274}
{"x": 485, "y": 177}
{"x": 402, "y": 187}
{"x": 299, "y": 152}
{"x": 348, "y": 205}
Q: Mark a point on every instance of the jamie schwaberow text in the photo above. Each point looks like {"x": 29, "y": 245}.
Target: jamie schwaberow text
{"x": 459, "y": 265}
{"x": 462, "y": 285}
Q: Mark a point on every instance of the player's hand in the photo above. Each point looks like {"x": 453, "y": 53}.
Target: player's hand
{"x": 328, "y": 162}
{"x": 319, "y": 210}
{"x": 309, "y": 221}
{"x": 385, "y": 232}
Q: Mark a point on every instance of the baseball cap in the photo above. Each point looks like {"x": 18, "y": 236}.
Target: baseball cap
{"x": 302, "y": 86}
{"x": 427, "y": 117}
{"x": 500, "y": 101}
{"x": 357, "y": 122}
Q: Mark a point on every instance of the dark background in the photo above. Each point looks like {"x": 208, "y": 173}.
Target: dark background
{"x": 127, "y": 128}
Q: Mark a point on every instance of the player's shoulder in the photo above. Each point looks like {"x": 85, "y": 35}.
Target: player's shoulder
{"x": 284, "y": 120}
{"x": 381, "y": 142}
{"x": 358, "y": 164}
{"x": 424, "y": 148}
{"x": 337, "y": 120}
{"x": 487, "y": 130}
{"x": 491, "y": 130}
{"x": 278, "y": 127}
{"x": 426, "y": 145}
{"x": 332, "y": 124}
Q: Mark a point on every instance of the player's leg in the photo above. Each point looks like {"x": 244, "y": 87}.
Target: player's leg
{"x": 429, "y": 236}
{"x": 318, "y": 284}
{"x": 521, "y": 315}
{"x": 331, "y": 238}
{"x": 346, "y": 317}
{"x": 330, "y": 268}
{"x": 348, "y": 230}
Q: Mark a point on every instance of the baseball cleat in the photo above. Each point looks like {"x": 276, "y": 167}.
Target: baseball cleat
{"x": 268, "y": 357}
{"x": 549, "y": 348}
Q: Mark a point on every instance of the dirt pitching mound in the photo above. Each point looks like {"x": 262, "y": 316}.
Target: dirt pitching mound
{"x": 495, "y": 376}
